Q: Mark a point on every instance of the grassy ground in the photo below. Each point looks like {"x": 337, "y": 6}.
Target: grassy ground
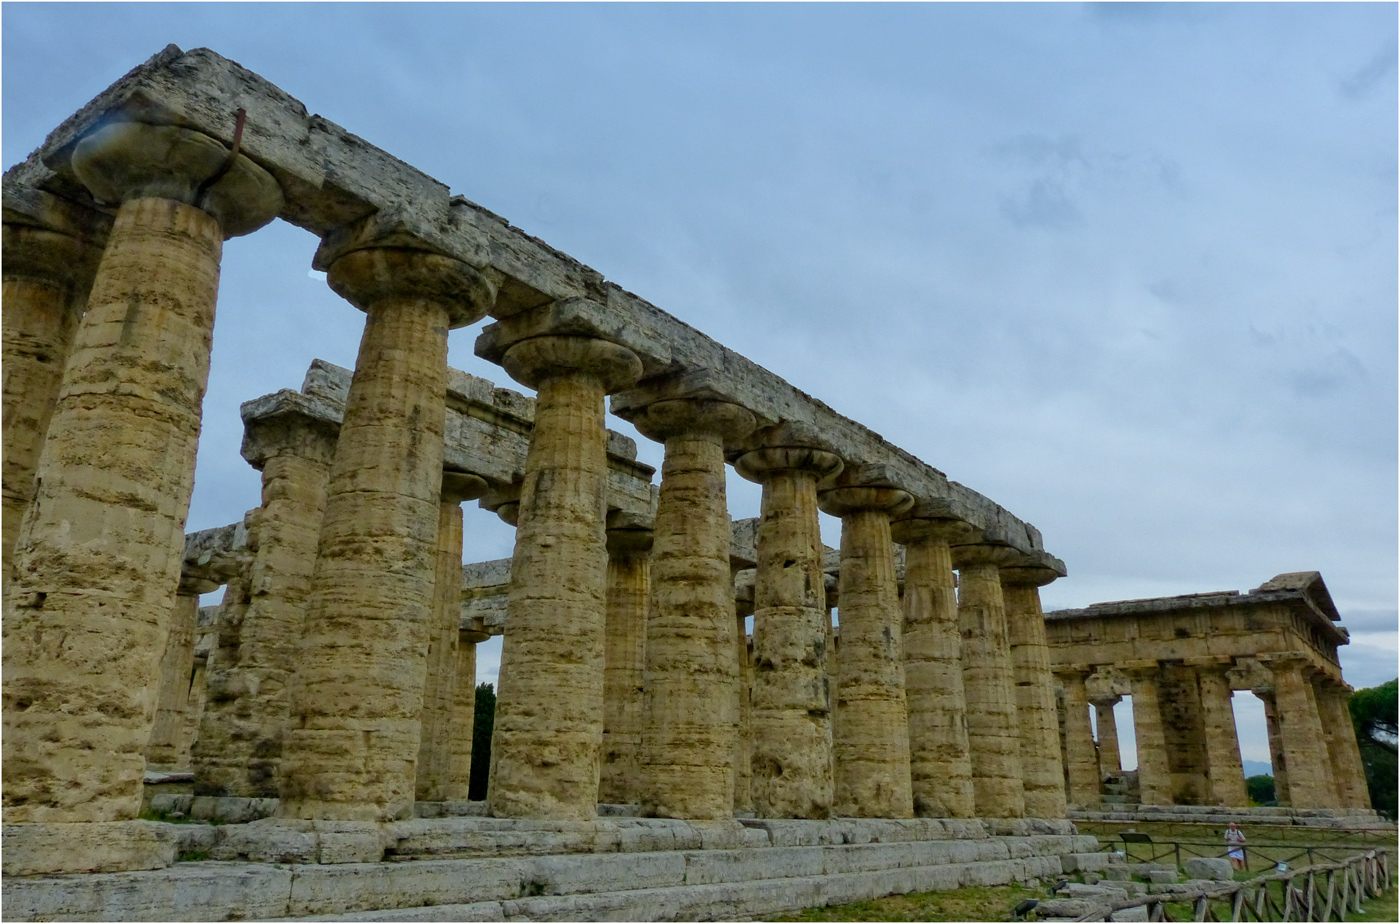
{"x": 995, "y": 904}
{"x": 971, "y": 904}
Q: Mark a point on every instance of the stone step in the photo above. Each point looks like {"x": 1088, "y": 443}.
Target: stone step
{"x": 756, "y": 899}
{"x": 660, "y": 885}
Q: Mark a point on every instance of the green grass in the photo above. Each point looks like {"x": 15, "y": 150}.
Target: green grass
{"x": 975, "y": 903}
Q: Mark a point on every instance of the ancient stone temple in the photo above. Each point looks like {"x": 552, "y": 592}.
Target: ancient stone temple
{"x": 1180, "y": 659}
{"x": 651, "y": 756}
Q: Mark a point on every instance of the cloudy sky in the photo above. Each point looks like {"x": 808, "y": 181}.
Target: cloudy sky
{"x": 1127, "y": 269}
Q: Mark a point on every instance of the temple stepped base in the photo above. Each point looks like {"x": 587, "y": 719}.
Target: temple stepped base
{"x": 468, "y": 868}
{"x": 1215, "y": 814}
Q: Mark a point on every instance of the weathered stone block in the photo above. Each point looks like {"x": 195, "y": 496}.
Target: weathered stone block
{"x": 37, "y": 849}
{"x": 606, "y": 873}
{"x": 336, "y": 889}
{"x": 1208, "y": 868}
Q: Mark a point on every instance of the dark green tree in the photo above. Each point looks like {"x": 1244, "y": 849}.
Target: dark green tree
{"x": 484, "y": 722}
{"x": 1373, "y": 713}
{"x": 1261, "y": 790}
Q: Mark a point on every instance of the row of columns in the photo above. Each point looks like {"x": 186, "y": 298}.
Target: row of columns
{"x": 1187, "y": 743}
{"x": 325, "y": 694}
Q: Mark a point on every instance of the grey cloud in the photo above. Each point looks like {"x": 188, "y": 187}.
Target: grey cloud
{"x": 1360, "y": 82}
{"x": 1334, "y": 371}
{"x": 1044, "y": 205}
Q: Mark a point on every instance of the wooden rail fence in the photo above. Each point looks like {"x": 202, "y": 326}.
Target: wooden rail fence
{"x": 1327, "y": 892}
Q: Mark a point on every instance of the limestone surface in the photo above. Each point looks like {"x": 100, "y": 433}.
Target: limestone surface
{"x": 940, "y": 763}
{"x": 549, "y": 706}
{"x": 791, "y": 696}
{"x": 357, "y": 696}
{"x": 99, "y": 560}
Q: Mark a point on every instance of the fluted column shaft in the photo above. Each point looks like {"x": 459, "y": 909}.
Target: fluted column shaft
{"x": 1042, "y": 776}
{"x": 1304, "y": 742}
{"x": 439, "y": 718}
{"x": 1110, "y": 756}
{"x": 169, "y": 746}
{"x": 1225, "y": 769}
{"x": 99, "y": 559}
{"x": 939, "y": 760}
{"x": 871, "y": 732}
{"x": 351, "y": 750}
{"x": 549, "y": 709}
{"x": 1347, "y": 769}
{"x": 791, "y": 698}
{"x": 46, "y": 280}
{"x": 1154, "y": 775}
{"x": 743, "y": 744}
{"x": 1277, "y": 758}
{"x": 993, "y": 736}
{"x": 691, "y": 676}
{"x": 463, "y": 723}
{"x": 239, "y": 747}
{"x": 628, "y": 591}
{"x": 1081, "y": 771}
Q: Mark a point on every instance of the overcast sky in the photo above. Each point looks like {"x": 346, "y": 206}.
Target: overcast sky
{"x": 1128, "y": 270}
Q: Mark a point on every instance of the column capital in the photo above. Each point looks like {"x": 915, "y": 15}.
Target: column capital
{"x": 504, "y": 501}
{"x": 849, "y": 499}
{"x": 461, "y": 486}
{"x": 1214, "y": 664}
{"x": 687, "y": 417}
{"x": 628, "y": 542}
{"x": 288, "y": 422}
{"x": 472, "y": 636}
{"x": 122, "y": 161}
{"x": 537, "y": 359}
{"x": 758, "y": 465}
{"x": 367, "y": 276}
{"x": 985, "y": 553}
{"x": 911, "y": 530}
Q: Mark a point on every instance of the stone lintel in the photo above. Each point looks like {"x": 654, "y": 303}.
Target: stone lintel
{"x": 215, "y": 555}
{"x": 1140, "y": 666}
{"x": 1073, "y": 669}
{"x": 1210, "y": 662}
{"x": 573, "y": 317}
{"x": 331, "y": 178}
{"x": 693, "y": 384}
{"x": 487, "y": 433}
{"x": 30, "y": 206}
{"x": 396, "y": 226}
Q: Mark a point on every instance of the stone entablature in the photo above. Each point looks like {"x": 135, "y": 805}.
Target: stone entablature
{"x": 1292, "y": 612}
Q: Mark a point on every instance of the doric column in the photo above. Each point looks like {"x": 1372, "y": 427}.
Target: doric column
{"x": 743, "y": 745}
{"x": 1277, "y": 759}
{"x": 993, "y": 732}
{"x": 459, "y": 776}
{"x": 628, "y": 589}
{"x": 1303, "y": 739}
{"x": 357, "y": 696}
{"x": 439, "y": 717}
{"x": 1347, "y": 769}
{"x": 47, "y": 275}
{"x": 791, "y": 772}
{"x": 871, "y": 734}
{"x": 169, "y": 745}
{"x": 1081, "y": 769}
{"x": 691, "y": 675}
{"x": 1224, "y": 769}
{"x": 238, "y": 752}
{"x": 549, "y": 708}
{"x": 1042, "y": 776}
{"x": 940, "y": 765}
{"x": 98, "y": 560}
{"x": 1110, "y": 757}
{"x": 1154, "y": 774}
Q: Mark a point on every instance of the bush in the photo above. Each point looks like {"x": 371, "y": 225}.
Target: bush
{"x": 1261, "y": 790}
{"x": 483, "y": 723}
